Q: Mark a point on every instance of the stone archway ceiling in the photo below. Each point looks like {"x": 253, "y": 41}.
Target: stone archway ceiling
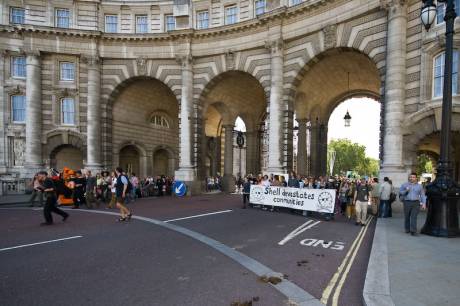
{"x": 432, "y": 143}
{"x": 326, "y": 82}
{"x": 141, "y": 98}
{"x": 234, "y": 94}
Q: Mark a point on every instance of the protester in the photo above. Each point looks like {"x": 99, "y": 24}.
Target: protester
{"x": 36, "y": 192}
{"x": 79, "y": 190}
{"x": 47, "y": 187}
{"x": 121, "y": 188}
{"x": 90, "y": 194}
{"x": 413, "y": 197}
{"x": 246, "y": 191}
{"x": 375, "y": 196}
{"x": 384, "y": 195}
{"x": 361, "y": 199}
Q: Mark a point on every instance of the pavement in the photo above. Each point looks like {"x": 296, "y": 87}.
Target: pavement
{"x": 409, "y": 270}
{"x": 15, "y": 199}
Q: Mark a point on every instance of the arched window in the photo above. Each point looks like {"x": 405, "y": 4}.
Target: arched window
{"x": 159, "y": 120}
{"x": 438, "y": 74}
{"x": 68, "y": 111}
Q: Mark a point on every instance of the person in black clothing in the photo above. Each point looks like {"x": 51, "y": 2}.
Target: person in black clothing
{"x": 79, "y": 191}
{"x": 121, "y": 189}
{"x": 49, "y": 190}
{"x": 246, "y": 191}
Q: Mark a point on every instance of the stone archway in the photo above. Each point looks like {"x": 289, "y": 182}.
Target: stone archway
{"x": 130, "y": 159}
{"x": 227, "y": 96}
{"x": 164, "y": 162}
{"x": 66, "y": 156}
{"x": 334, "y": 76}
{"x": 145, "y": 112}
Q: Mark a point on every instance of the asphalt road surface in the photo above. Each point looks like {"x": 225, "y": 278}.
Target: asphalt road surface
{"x": 202, "y": 250}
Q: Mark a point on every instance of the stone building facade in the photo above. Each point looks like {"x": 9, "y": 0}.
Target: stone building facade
{"x": 156, "y": 86}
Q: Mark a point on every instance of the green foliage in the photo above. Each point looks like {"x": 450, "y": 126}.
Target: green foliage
{"x": 352, "y": 157}
{"x": 424, "y": 164}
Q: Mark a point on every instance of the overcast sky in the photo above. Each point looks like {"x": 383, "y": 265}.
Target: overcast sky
{"x": 365, "y": 124}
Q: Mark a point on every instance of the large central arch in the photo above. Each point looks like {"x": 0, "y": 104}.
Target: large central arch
{"x": 144, "y": 116}
{"x": 326, "y": 81}
{"x": 228, "y": 96}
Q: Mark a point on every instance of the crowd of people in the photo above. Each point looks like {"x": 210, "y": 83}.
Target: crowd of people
{"x": 112, "y": 189}
{"x": 353, "y": 195}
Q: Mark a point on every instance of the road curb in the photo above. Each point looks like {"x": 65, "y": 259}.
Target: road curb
{"x": 376, "y": 290}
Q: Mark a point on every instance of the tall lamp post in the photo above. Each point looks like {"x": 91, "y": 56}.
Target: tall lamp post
{"x": 444, "y": 193}
{"x": 240, "y": 143}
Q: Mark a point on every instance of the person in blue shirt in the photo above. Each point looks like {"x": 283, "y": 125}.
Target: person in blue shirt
{"x": 413, "y": 197}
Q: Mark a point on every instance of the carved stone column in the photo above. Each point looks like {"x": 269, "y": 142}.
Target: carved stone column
{"x": 302, "y": 147}
{"x": 33, "y": 152}
{"x": 93, "y": 115}
{"x": 252, "y": 156}
{"x": 186, "y": 171}
{"x": 275, "y": 145}
{"x": 395, "y": 81}
{"x": 229, "y": 180}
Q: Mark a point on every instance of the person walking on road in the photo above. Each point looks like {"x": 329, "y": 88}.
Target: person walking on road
{"x": 413, "y": 197}
{"x": 246, "y": 191}
{"x": 361, "y": 199}
{"x": 385, "y": 194}
{"x": 121, "y": 189}
{"x": 36, "y": 192}
{"x": 48, "y": 188}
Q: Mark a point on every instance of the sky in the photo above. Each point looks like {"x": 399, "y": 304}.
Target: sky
{"x": 364, "y": 127}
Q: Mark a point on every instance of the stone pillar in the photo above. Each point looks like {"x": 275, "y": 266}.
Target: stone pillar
{"x": 3, "y": 108}
{"x": 252, "y": 157}
{"x": 315, "y": 149}
{"x": 229, "y": 180}
{"x": 302, "y": 147}
{"x": 392, "y": 165}
{"x": 275, "y": 128}
{"x": 186, "y": 171}
{"x": 323, "y": 149}
{"x": 93, "y": 115}
{"x": 33, "y": 152}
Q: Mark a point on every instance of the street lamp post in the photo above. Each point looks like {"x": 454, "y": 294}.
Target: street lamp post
{"x": 444, "y": 193}
{"x": 240, "y": 143}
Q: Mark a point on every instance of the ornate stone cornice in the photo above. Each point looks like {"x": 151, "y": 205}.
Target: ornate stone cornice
{"x": 388, "y": 4}
{"x": 15, "y": 90}
{"x": 65, "y": 92}
{"x": 30, "y": 51}
{"x": 275, "y": 46}
{"x": 185, "y": 60}
{"x": 91, "y": 60}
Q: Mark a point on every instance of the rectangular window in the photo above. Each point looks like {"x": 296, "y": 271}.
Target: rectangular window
{"x": 295, "y": 2}
{"x": 260, "y": 7}
{"x": 18, "y": 108}
{"x": 68, "y": 111}
{"x": 17, "y": 15}
{"x": 62, "y": 18}
{"x": 67, "y": 72}
{"x": 141, "y": 24}
{"x": 170, "y": 23}
{"x": 18, "y": 67}
{"x": 202, "y": 20}
{"x": 231, "y": 15}
{"x": 441, "y": 11}
{"x": 111, "y": 23}
{"x": 438, "y": 77}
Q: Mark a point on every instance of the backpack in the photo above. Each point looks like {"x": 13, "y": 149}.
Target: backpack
{"x": 130, "y": 185}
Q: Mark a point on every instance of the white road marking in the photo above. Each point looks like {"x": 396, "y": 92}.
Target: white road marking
{"x": 298, "y": 231}
{"x": 38, "y": 243}
{"x": 197, "y": 216}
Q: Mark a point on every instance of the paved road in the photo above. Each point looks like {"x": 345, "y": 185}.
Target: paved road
{"x": 142, "y": 263}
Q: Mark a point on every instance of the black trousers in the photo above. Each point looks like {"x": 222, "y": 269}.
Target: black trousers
{"x": 51, "y": 206}
{"x": 245, "y": 197}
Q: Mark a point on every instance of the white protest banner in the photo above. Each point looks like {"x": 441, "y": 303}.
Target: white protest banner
{"x": 321, "y": 200}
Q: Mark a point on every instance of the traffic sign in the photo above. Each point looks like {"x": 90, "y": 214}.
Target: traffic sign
{"x": 179, "y": 188}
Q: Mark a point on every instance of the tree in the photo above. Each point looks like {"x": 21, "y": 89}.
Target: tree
{"x": 352, "y": 157}
{"x": 424, "y": 164}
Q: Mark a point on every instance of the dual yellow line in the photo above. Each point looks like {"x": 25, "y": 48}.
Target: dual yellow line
{"x": 341, "y": 274}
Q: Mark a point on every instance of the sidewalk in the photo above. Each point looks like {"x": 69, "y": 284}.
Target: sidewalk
{"x": 14, "y": 199}
{"x": 405, "y": 270}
